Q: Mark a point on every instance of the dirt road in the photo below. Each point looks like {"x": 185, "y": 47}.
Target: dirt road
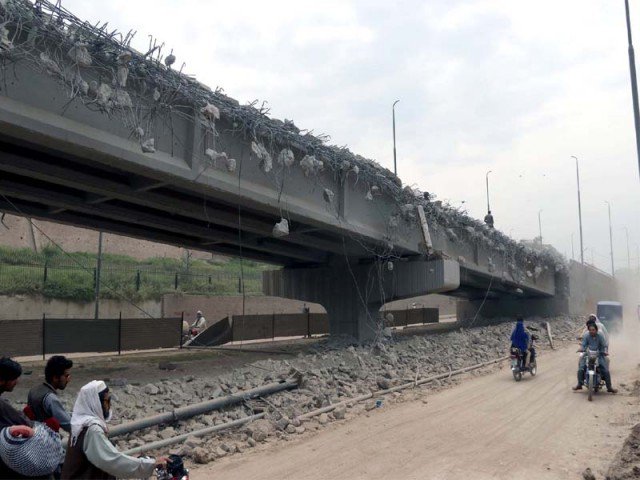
{"x": 487, "y": 427}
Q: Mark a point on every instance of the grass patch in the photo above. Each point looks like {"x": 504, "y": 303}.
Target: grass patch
{"x": 71, "y": 276}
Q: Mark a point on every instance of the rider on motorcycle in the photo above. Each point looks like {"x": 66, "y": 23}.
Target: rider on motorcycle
{"x": 521, "y": 339}
{"x": 594, "y": 340}
{"x": 601, "y": 328}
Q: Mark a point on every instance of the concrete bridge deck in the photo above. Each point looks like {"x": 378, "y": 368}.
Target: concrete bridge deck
{"x": 163, "y": 158}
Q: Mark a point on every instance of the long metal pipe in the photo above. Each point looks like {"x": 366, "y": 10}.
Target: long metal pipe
{"x": 203, "y": 407}
{"x": 366, "y": 396}
{"x": 196, "y": 433}
{"x": 613, "y": 270}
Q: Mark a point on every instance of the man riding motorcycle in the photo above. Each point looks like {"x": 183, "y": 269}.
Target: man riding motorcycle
{"x": 601, "y": 328}
{"x": 594, "y": 340}
{"x": 523, "y": 341}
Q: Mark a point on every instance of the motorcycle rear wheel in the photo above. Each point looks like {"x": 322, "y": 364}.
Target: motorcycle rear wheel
{"x": 533, "y": 369}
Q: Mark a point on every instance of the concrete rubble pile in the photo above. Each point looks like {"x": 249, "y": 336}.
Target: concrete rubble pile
{"x": 334, "y": 370}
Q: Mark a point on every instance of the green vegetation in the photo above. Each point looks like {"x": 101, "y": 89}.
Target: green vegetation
{"x": 71, "y": 276}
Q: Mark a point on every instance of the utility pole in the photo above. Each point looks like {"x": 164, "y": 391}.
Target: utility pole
{"x": 579, "y": 211}
{"x": 573, "y": 253}
{"x": 613, "y": 272}
{"x": 395, "y": 166}
{"x": 487, "y": 180}
{"x": 98, "y": 270}
{"x": 540, "y": 226}
{"x": 634, "y": 83}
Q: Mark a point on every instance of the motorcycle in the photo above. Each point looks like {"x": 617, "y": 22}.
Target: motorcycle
{"x": 592, "y": 377}
{"x": 518, "y": 362}
{"x": 175, "y": 469}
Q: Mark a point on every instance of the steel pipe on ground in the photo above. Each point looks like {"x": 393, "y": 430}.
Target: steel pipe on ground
{"x": 196, "y": 433}
{"x": 203, "y": 407}
{"x": 404, "y": 386}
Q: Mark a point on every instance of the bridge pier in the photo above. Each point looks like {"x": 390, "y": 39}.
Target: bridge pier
{"x": 353, "y": 294}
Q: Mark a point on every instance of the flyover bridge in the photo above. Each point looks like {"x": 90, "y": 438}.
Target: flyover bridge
{"x": 97, "y": 135}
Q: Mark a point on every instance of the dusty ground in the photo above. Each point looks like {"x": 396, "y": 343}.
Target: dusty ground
{"x": 488, "y": 427}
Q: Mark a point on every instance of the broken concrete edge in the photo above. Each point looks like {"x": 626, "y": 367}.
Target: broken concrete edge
{"x": 398, "y": 388}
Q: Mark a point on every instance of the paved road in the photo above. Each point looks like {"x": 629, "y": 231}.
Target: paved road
{"x": 487, "y": 427}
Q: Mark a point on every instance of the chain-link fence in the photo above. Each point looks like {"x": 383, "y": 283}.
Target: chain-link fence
{"x": 75, "y": 278}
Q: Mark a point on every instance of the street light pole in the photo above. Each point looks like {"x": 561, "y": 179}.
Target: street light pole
{"x": 487, "y": 180}
{"x": 540, "y": 226}
{"x": 573, "y": 252}
{"x": 393, "y": 109}
{"x": 613, "y": 272}
{"x": 579, "y": 211}
{"x": 634, "y": 82}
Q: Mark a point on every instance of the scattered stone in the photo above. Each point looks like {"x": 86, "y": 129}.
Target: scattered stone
{"x": 290, "y": 429}
{"x": 323, "y": 419}
{"x": 339, "y": 412}
{"x": 167, "y": 433}
{"x": 151, "y": 389}
{"x": 221, "y": 452}
{"x": 588, "y": 475}
{"x": 200, "y": 455}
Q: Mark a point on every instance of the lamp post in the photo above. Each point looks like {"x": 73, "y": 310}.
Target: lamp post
{"x": 613, "y": 273}
{"x": 573, "y": 253}
{"x": 579, "y": 210}
{"x": 487, "y": 180}
{"x": 634, "y": 82}
{"x": 540, "y": 226}
{"x": 98, "y": 274}
{"x": 393, "y": 110}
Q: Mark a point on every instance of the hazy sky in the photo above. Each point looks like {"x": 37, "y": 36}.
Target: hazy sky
{"x": 509, "y": 86}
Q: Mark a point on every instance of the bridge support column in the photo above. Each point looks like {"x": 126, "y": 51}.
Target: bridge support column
{"x": 353, "y": 294}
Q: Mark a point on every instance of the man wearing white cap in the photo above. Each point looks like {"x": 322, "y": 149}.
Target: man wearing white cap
{"x": 90, "y": 454}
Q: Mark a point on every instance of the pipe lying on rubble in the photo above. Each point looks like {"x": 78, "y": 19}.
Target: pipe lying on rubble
{"x": 204, "y": 407}
{"x": 196, "y": 433}
{"x": 366, "y": 396}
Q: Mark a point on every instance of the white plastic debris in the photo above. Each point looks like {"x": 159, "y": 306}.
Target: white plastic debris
{"x": 408, "y": 211}
{"x": 80, "y": 55}
{"x": 50, "y": 65}
{"x": 122, "y": 75}
{"x": 310, "y": 165}
{"x": 121, "y": 99}
{"x": 103, "y": 95}
{"x": 156, "y": 94}
{"x": 355, "y": 169}
{"x": 214, "y": 156}
{"x": 375, "y": 190}
{"x": 210, "y": 112}
{"x": 149, "y": 146}
{"x": 285, "y": 157}
{"x": 170, "y": 60}
{"x": 139, "y": 132}
{"x": 231, "y": 164}
{"x": 368, "y": 196}
{"x": 281, "y": 228}
{"x": 328, "y": 195}
{"x": 5, "y": 43}
{"x": 390, "y": 266}
{"x": 125, "y": 57}
{"x": 266, "y": 162}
